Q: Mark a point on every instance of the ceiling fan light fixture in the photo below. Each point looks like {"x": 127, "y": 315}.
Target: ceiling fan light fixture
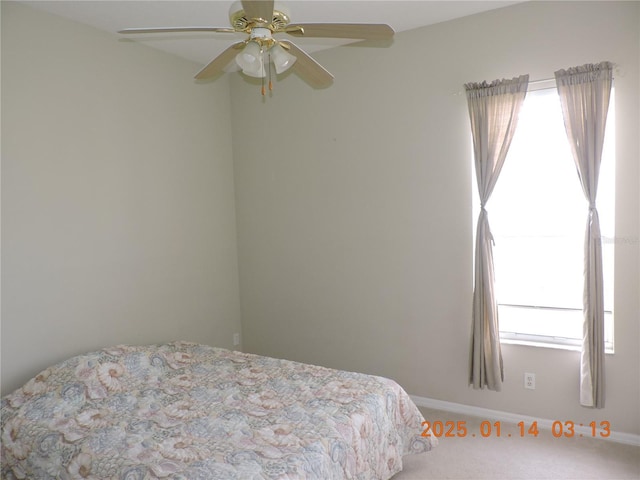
{"x": 250, "y": 60}
{"x": 282, "y": 60}
{"x": 257, "y": 72}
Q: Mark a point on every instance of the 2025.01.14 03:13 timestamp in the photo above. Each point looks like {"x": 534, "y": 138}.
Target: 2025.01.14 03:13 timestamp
{"x": 559, "y": 429}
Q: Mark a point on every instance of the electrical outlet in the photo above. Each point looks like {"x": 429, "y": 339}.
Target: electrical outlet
{"x": 236, "y": 339}
{"x": 530, "y": 381}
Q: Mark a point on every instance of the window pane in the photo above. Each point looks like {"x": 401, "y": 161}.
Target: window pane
{"x": 538, "y": 216}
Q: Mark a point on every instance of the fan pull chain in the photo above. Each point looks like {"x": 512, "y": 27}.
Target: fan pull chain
{"x": 262, "y": 76}
{"x": 263, "y": 89}
{"x": 270, "y": 82}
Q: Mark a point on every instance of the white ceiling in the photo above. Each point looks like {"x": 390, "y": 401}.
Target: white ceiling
{"x": 113, "y": 15}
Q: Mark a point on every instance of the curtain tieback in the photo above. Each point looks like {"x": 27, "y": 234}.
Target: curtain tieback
{"x": 483, "y": 211}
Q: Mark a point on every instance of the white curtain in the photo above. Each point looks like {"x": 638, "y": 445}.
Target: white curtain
{"x": 493, "y": 110}
{"x": 584, "y": 94}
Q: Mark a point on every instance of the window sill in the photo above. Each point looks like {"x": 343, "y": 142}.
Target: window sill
{"x": 556, "y": 346}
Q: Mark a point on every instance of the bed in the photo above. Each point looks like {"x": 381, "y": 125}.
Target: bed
{"x": 188, "y": 411}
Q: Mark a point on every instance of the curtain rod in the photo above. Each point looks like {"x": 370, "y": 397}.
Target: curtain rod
{"x": 542, "y": 80}
{"x": 616, "y": 70}
{"x": 552, "y": 79}
{"x": 532, "y": 82}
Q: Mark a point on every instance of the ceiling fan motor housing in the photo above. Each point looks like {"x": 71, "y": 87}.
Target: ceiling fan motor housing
{"x": 240, "y": 22}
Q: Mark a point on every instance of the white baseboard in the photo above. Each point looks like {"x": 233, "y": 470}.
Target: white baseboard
{"x": 485, "y": 413}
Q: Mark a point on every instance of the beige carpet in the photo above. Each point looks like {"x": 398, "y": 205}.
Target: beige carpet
{"x": 515, "y": 457}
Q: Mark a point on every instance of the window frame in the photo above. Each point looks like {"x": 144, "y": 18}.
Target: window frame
{"x": 551, "y": 341}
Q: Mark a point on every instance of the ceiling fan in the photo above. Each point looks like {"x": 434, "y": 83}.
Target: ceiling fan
{"x": 261, "y": 20}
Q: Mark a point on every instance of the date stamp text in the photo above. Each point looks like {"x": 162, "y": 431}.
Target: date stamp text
{"x": 487, "y": 428}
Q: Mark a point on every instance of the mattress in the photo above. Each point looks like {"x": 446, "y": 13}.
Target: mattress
{"x": 188, "y": 411}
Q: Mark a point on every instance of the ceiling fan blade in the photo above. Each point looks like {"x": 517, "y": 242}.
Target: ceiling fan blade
{"x": 217, "y": 65}
{"x": 176, "y": 29}
{"x": 364, "y": 31}
{"x": 258, "y": 9}
{"x": 310, "y": 70}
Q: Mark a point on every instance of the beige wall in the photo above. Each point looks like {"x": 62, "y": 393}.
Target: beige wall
{"x": 354, "y": 208}
{"x": 118, "y": 221}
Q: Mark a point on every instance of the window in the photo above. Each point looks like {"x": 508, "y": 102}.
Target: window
{"x": 538, "y": 216}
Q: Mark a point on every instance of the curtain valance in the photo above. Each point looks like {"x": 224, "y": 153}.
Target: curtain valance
{"x": 585, "y": 73}
{"x": 497, "y": 87}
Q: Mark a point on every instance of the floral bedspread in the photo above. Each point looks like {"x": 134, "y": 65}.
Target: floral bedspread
{"x": 189, "y": 411}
